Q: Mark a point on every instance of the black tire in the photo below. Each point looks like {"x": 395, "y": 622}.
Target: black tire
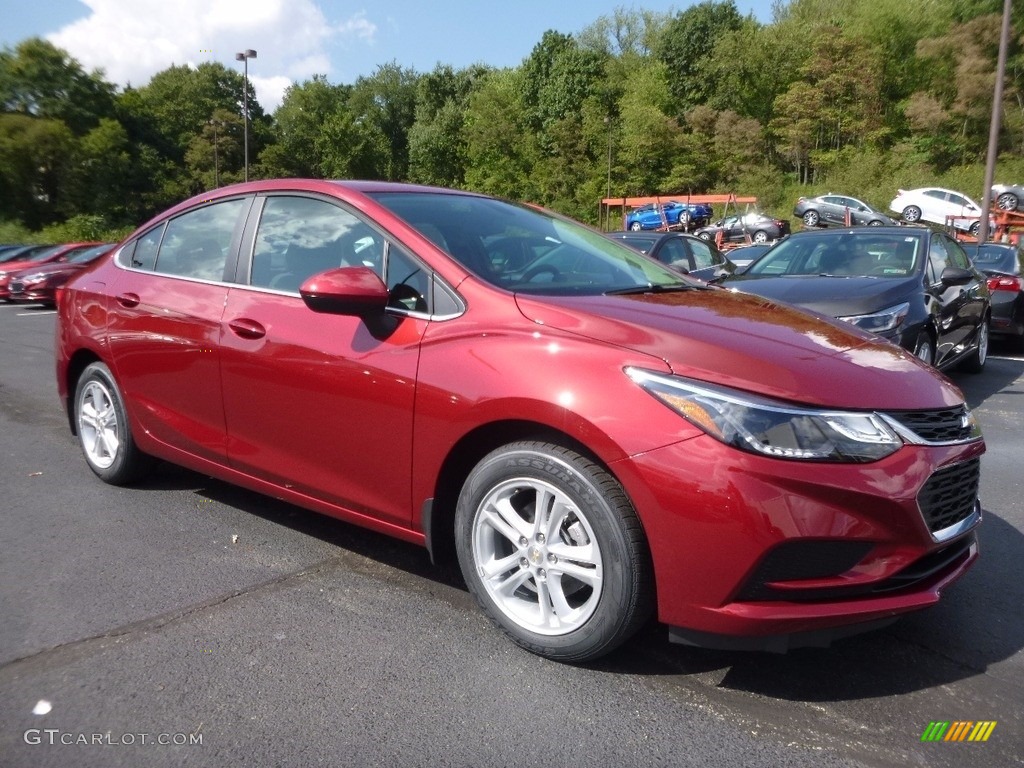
{"x": 912, "y": 214}
{"x": 811, "y": 219}
{"x": 875, "y": 223}
{"x": 975, "y": 362}
{"x": 103, "y": 429}
{"x": 974, "y": 229}
{"x": 704, "y": 235}
{"x": 761, "y": 237}
{"x": 636, "y": 226}
{"x": 924, "y": 348}
{"x": 532, "y": 594}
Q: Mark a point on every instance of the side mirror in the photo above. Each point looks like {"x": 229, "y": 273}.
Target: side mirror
{"x": 345, "y": 291}
{"x": 956, "y": 276}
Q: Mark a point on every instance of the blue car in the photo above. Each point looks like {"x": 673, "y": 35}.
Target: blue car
{"x": 676, "y": 214}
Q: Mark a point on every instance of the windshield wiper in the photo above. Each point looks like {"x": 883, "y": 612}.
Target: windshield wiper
{"x": 651, "y": 288}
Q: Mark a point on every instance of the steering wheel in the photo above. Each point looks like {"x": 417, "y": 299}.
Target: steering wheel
{"x": 540, "y": 269}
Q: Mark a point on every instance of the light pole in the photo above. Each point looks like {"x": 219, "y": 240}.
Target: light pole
{"x": 216, "y": 159}
{"x": 244, "y": 56}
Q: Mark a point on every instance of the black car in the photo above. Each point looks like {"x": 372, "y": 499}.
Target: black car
{"x": 1004, "y": 266}
{"x": 684, "y": 253}
{"x": 838, "y": 211}
{"x": 745, "y": 228}
{"x": 915, "y": 287}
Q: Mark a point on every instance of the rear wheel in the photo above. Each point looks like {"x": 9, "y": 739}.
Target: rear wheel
{"x": 760, "y": 237}
{"x": 635, "y": 226}
{"x": 553, "y": 552}
{"x": 811, "y": 219}
{"x": 912, "y": 214}
{"x": 103, "y": 429}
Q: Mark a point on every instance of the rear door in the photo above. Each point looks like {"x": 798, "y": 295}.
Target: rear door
{"x": 164, "y": 325}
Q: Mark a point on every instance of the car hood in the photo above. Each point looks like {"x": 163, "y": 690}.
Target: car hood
{"x": 48, "y": 269}
{"x": 752, "y": 344}
{"x": 832, "y": 296}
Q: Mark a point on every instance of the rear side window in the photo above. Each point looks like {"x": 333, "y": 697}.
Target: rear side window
{"x": 703, "y": 256}
{"x": 196, "y": 244}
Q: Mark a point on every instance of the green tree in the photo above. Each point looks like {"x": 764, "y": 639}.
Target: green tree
{"x": 298, "y": 149}
{"x": 686, "y": 45}
{"x": 39, "y": 79}
{"x": 383, "y": 106}
{"x": 35, "y": 169}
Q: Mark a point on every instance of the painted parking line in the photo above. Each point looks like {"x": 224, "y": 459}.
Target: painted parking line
{"x": 38, "y": 313}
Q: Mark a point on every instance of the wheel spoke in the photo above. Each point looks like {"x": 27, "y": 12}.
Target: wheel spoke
{"x": 497, "y": 567}
{"x": 559, "y": 604}
{"x": 504, "y": 519}
{"x": 544, "y": 604}
{"x": 511, "y": 583}
{"x": 589, "y": 576}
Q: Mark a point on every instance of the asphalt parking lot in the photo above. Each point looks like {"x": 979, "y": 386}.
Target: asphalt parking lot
{"x": 188, "y": 622}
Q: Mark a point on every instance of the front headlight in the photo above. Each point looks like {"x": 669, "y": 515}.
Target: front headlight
{"x": 879, "y": 322}
{"x": 771, "y": 428}
{"x": 34, "y": 278}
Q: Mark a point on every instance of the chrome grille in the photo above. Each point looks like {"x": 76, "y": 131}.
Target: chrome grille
{"x": 950, "y": 495}
{"x": 944, "y": 426}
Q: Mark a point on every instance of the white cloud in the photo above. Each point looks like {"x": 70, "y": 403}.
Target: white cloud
{"x": 132, "y": 40}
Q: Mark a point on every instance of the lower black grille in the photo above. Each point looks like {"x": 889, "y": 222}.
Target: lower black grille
{"x": 950, "y": 495}
{"x": 17, "y": 287}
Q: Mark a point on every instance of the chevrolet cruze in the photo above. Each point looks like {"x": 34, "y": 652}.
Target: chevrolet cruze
{"x": 594, "y": 437}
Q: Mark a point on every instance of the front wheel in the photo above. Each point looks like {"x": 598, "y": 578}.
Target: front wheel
{"x": 635, "y": 226}
{"x": 924, "y": 349}
{"x": 103, "y": 429}
{"x": 704, "y": 235}
{"x": 553, "y": 551}
{"x": 975, "y": 362}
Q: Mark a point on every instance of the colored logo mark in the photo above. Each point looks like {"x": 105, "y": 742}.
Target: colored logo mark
{"x": 958, "y": 730}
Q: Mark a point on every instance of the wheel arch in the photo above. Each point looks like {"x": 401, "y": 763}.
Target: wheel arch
{"x": 78, "y": 362}
{"x": 438, "y": 512}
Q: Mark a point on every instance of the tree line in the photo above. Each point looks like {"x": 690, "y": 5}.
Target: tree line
{"x": 858, "y": 96}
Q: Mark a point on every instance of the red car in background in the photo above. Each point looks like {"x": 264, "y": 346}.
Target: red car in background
{"x": 38, "y": 284}
{"x": 44, "y": 256}
{"x": 591, "y": 435}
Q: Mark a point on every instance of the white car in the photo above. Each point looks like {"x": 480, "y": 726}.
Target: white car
{"x": 938, "y": 206}
{"x": 1008, "y": 197}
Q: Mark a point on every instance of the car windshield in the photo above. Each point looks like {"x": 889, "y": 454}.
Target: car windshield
{"x": 890, "y": 255}
{"x": 88, "y": 254}
{"x": 526, "y": 250}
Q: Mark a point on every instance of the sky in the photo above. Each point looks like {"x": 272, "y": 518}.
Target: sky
{"x": 131, "y": 40}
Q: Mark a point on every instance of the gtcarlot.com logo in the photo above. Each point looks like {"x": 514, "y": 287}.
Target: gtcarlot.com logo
{"x": 958, "y": 730}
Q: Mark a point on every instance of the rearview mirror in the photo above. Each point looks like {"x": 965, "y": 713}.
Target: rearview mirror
{"x": 355, "y": 291}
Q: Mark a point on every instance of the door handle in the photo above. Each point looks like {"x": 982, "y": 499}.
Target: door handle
{"x": 128, "y": 300}
{"x": 247, "y": 329}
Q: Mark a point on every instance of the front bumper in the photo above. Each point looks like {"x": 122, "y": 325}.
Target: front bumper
{"x": 756, "y": 552}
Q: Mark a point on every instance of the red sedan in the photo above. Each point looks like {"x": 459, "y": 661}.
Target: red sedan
{"x": 38, "y": 284}
{"x": 590, "y": 434}
{"x": 54, "y": 253}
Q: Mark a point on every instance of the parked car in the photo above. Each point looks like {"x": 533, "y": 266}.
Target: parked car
{"x": 938, "y": 206}
{"x": 39, "y": 283}
{"x": 590, "y": 445}
{"x": 672, "y": 214}
{"x": 833, "y": 210}
{"x": 1008, "y": 197}
{"x": 21, "y": 252}
{"x": 687, "y": 254}
{"x": 749, "y": 227}
{"x": 33, "y": 257}
{"x": 742, "y": 256}
{"x": 1003, "y": 264}
{"x": 915, "y": 287}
